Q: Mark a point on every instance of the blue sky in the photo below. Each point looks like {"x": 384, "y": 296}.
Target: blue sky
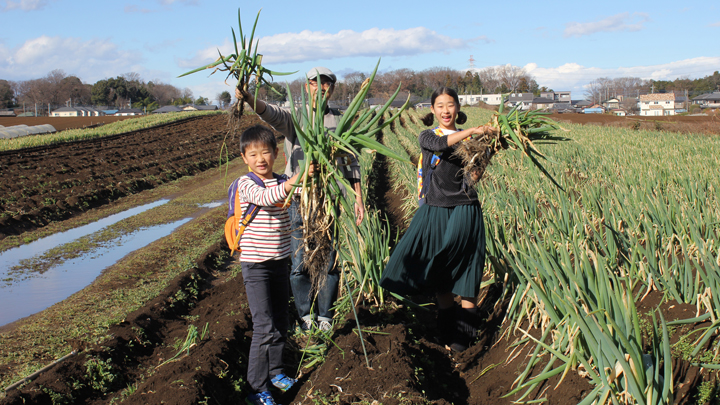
{"x": 564, "y": 45}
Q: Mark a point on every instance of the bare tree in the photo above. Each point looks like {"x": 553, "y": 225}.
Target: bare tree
{"x": 54, "y": 87}
{"x": 187, "y": 93}
{"x": 511, "y": 76}
{"x": 296, "y": 87}
{"x": 32, "y": 91}
{"x": 490, "y": 79}
{"x": 163, "y": 93}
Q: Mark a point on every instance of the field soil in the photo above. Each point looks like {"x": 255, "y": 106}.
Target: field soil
{"x": 52, "y": 183}
{"x": 62, "y": 123}
{"x": 700, "y": 124}
{"x": 143, "y": 361}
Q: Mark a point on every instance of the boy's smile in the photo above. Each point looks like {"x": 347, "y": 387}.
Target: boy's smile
{"x": 260, "y": 159}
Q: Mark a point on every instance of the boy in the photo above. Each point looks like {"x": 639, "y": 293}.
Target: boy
{"x": 265, "y": 260}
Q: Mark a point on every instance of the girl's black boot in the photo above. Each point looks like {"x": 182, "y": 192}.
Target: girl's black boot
{"x": 465, "y": 328}
{"x": 445, "y": 325}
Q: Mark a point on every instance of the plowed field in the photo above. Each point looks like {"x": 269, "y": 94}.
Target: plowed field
{"x": 52, "y": 183}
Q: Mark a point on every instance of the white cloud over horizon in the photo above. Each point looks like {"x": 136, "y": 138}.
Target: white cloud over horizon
{"x": 574, "y": 77}
{"x": 317, "y": 45}
{"x": 617, "y": 22}
{"x": 25, "y": 5}
{"x": 90, "y": 60}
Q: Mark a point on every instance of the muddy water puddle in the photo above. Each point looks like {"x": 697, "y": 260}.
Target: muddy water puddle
{"x": 49, "y": 270}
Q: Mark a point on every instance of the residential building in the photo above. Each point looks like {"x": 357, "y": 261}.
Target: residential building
{"x": 708, "y": 100}
{"x": 657, "y": 104}
{"x": 167, "y": 109}
{"x": 194, "y": 107}
{"x": 76, "y": 112}
{"x": 594, "y": 109}
{"x": 611, "y": 104}
{"x": 557, "y": 96}
{"x": 581, "y": 103}
{"x": 474, "y": 99}
{"x": 542, "y": 103}
{"x": 561, "y": 108}
{"x": 129, "y": 111}
{"x": 524, "y": 100}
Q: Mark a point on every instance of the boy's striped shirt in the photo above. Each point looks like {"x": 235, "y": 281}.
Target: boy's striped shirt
{"x": 267, "y": 237}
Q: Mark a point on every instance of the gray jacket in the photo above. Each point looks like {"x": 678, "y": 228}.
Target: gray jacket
{"x": 281, "y": 120}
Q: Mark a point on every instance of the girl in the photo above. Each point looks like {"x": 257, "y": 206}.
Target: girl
{"x": 443, "y": 250}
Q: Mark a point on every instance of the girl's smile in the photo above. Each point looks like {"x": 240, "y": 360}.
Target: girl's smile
{"x": 445, "y": 111}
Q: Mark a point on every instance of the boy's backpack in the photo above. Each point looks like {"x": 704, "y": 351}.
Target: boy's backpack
{"x": 235, "y": 224}
{"x": 436, "y": 159}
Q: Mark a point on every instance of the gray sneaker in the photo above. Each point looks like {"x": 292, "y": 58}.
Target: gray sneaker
{"x": 324, "y": 326}
{"x": 306, "y": 325}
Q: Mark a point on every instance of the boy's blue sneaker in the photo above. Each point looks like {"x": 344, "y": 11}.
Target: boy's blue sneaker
{"x": 261, "y": 398}
{"x": 283, "y": 382}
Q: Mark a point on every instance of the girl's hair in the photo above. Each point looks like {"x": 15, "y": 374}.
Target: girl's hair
{"x": 429, "y": 118}
{"x": 257, "y": 134}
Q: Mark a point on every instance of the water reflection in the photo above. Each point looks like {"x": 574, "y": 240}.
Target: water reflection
{"x": 12, "y": 257}
{"x": 37, "y": 293}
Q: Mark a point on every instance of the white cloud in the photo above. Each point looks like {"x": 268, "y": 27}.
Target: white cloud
{"x": 572, "y": 76}
{"x": 135, "y": 9}
{"x": 25, "y": 5}
{"x": 171, "y": 2}
{"x": 618, "y": 22}
{"x": 316, "y": 45}
{"x": 717, "y": 24}
{"x": 90, "y": 60}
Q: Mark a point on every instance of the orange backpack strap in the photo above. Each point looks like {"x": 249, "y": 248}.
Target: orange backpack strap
{"x": 236, "y": 223}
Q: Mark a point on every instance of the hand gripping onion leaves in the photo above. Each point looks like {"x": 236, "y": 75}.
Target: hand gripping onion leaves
{"x": 320, "y": 200}
{"x": 516, "y": 130}
{"x": 242, "y": 65}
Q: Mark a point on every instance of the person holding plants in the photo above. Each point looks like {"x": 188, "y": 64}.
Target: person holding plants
{"x": 322, "y": 79}
{"x": 443, "y": 250}
{"x": 264, "y": 255}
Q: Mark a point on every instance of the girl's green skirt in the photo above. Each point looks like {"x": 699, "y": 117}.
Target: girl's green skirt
{"x": 442, "y": 251}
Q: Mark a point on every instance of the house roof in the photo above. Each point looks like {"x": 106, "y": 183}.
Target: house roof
{"x": 542, "y": 100}
{"x": 65, "y": 109}
{"x": 715, "y": 96}
{"x": 517, "y": 97}
{"x": 167, "y": 109}
{"x": 129, "y": 111}
{"x": 658, "y": 97}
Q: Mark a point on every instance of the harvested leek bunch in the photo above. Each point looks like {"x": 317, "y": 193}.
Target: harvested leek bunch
{"x": 321, "y": 202}
{"x": 515, "y": 130}
{"x": 242, "y": 65}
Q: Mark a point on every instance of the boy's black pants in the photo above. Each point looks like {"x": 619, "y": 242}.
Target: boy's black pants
{"x": 267, "y": 289}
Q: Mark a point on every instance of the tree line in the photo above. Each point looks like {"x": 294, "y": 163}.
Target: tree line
{"x": 59, "y": 89}
{"x": 419, "y": 84}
